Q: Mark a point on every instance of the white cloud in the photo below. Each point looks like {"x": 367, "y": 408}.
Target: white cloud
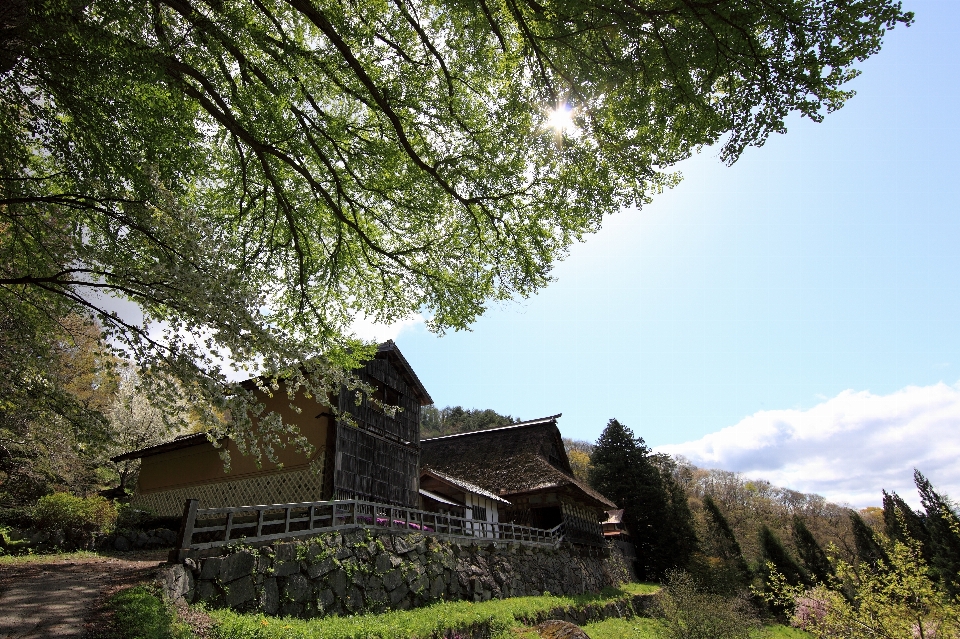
{"x": 366, "y": 328}
{"x": 847, "y": 448}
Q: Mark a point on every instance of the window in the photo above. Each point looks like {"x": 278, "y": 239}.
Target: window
{"x": 479, "y": 513}
{"x": 387, "y": 399}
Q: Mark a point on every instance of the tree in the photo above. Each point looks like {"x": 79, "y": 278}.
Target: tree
{"x": 134, "y": 423}
{"x": 775, "y": 555}
{"x": 943, "y": 526}
{"x": 895, "y": 598}
{"x": 868, "y": 550}
{"x": 811, "y": 554}
{"x": 435, "y": 422}
{"x": 902, "y": 523}
{"x": 253, "y": 175}
{"x": 578, "y": 452}
{"x": 53, "y": 396}
{"x": 732, "y": 570}
{"x": 655, "y": 507}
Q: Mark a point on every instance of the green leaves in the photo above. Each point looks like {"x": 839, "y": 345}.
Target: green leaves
{"x": 254, "y": 175}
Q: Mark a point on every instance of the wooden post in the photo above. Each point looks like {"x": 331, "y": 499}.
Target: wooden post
{"x": 185, "y": 536}
{"x": 226, "y": 534}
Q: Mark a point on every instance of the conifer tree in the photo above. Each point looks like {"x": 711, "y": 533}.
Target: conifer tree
{"x": 726, "y": 541}
{"x": 655, "y": 509}
{"x": 810, "y": 552}
{"x": 902, "y": 523}
{"x": 868, "y": 550}
{"x": 943, "y": 527}
{"x": 734, "y": 573}
{"x": 772, "y": 550}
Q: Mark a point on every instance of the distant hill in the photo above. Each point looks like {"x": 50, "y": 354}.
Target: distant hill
{"x": 436, "y": 422}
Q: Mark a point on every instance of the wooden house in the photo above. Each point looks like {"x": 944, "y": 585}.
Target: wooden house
{"x": 440, "y": 492}
{"x": 526, "y": 465}
{"x": 376, "y": 460}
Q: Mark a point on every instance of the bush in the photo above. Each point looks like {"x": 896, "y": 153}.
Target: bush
{"x": 16, "y": 517}
{"x": 689, "y": 612}
{"x": 75, "y": 518}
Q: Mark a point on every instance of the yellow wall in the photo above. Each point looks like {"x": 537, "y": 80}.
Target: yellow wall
{"x": 201, "y": 463}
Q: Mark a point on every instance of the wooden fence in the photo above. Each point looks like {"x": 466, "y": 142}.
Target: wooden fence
{"x": 203, "y": 528}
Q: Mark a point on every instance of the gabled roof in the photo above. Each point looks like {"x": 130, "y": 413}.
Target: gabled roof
{"x": 389, "y": 350}
{"x": 386, "y": 350}
{"x": 181, "y": 441}
{"x": 461, "y": 484}
{"x": 442, "y": 500}
{"x": 509, "y": 460}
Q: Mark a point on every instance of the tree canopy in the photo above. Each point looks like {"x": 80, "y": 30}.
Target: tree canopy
{"x": 252, "y": 174}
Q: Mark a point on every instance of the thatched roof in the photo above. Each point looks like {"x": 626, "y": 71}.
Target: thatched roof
{"x": 460, "y": 484}
{"x": 522, "y": 458}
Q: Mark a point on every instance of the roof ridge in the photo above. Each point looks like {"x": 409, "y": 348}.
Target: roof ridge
{"x": 529, "y": 422}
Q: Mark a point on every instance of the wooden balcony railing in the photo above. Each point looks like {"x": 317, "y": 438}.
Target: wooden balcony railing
{"x": 203, "y": 528}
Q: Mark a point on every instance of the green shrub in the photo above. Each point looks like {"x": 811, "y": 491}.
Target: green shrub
{"x": 687, "y": 611}
{"x": 76, "y": 518}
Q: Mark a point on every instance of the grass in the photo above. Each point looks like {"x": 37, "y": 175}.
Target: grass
{"x": 31, "y": 557}
{"x": 140, "y": 613}
{"x": 777, "y": 631}
{"x": 642, "y": 628}
{"x": 635, "y": 628}
{"x": 500, "y": 618}
{"x": 46, "y": 557}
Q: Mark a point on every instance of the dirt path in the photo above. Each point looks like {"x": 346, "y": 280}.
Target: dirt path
{"x": 60, "y": 597}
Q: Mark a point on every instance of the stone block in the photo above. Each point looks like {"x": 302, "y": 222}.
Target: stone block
{"x": 297, "y": 588}
{"x": 286, "y": 568}
{"x": 177, "y": 583}
{"x": 237, "y": 565}
{"x": 398, "y": 594}
{"x": 337, "y": 580}
{"x": 287, "y": 551}
{"x": 437, "y": 587}
{"x": 270, "y": 596}
{"x": 353, "y": 601}
{"x": 392, "y": 579}
{"x": 382, "y": 563}
{"x": 325, "y": 599}
{"x": 210, "y": 568}
{"x": 122, "y": 544}
{"x": 322, "y": 568}
{"x": 208, "y": 592}
{"x": 291, "y": 609}
{"x": 239, "y": 591}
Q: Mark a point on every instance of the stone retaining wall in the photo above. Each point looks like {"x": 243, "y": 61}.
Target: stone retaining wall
{"x": 359, "y": 570}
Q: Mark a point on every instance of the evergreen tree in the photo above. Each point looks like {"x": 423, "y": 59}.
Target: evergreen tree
{"x": 943, "y": 527}
{"x": 902, "y": 523}
{"x": 810, "y": 552}
{"x": 772, "y": 550}
{"x": 655, "y": 509}
{"x": 725, "y": 543}
{"x": 868, "y": 550}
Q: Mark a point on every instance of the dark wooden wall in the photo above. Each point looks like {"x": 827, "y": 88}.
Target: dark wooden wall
{"x": 379, "y": 459}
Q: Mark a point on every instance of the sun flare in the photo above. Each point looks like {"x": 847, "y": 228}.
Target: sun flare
{"x": 560, "y": 119}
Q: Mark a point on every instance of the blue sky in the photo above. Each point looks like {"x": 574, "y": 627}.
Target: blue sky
{"x": 826, "y": 261}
